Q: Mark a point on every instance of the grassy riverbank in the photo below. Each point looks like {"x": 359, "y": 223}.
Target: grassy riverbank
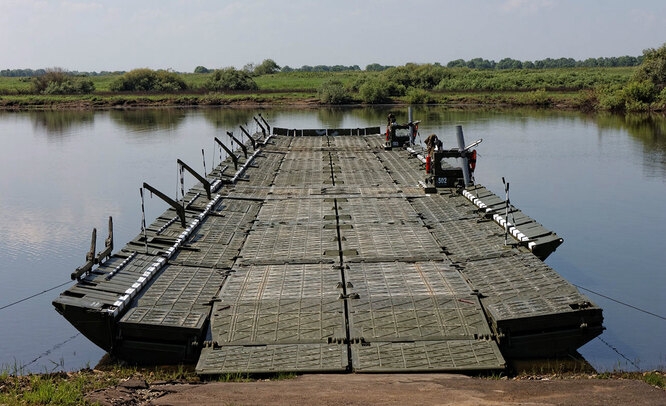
{"x": 566, "y": 88}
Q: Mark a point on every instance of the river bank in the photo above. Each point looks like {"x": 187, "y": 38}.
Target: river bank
{"x": 584, "y": 101}
{"x": 174, "y": 386}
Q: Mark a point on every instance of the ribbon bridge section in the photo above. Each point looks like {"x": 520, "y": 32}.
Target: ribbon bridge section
{"x": 339, "y": 272}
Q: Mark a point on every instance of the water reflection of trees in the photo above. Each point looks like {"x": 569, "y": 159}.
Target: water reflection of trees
{"x": 61, "y": 123}
{"x": 224, "y": 117}
{"x": 149, "y": 119}
{"x": 649, "y": 129}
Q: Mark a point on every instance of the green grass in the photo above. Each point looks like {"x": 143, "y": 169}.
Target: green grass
{"x": 13, "y": 86}
{"x": 306, "y": 81}
{"x": 70, "y": 388}
{"x": 655, "y": 379}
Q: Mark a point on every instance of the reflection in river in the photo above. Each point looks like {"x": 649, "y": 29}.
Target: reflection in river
{"x": 597, "y": 180}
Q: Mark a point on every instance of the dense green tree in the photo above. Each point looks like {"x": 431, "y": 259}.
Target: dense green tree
{"x": 201, "y": 69}
{"x": 375, "y": 67}
{"x": 479, "y": 63}
{"x": 249, "y": 68}
{"x": 458, "y": 63}
{"x": 653, "y": 68}
{"x": 267, "y": 67}
{"x": 508, "y": 63}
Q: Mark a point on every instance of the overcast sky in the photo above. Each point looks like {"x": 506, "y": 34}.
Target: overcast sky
{"x": 97, "y": 35}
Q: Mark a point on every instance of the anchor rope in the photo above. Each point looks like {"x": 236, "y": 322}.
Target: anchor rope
{"x": 621, "y": 302}
{"x": 49, "y": 351}
{"x": 612, "y": 347}
{"x": 35, "y": 295}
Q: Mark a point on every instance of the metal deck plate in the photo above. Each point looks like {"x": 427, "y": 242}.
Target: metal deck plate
{"x": 287, "y": 243}
{"x": 427, "y": 356}
{"x": 408, "y": 317}
{"x": 277, "y": 318}
{"x": 389, "y": 242}
{"x": 161, "y": 324}
{"x": 273, "y": 358}
{"x": 420, "y": 318}
{"x": 417, "y": 317}
{"x": 273, "y": 304}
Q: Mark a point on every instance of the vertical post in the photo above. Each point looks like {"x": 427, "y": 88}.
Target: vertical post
{"x": 410, "y": 120}
{"x": 143, "y": 220}
{"x": 465, "y": 164}
{"x": 506, "y": 211}
{"x": 182, "y": 182}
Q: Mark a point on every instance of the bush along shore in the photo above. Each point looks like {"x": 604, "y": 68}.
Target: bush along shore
{"x": 639, "y": 88}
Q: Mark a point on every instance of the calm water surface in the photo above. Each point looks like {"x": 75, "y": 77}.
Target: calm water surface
{"x": 598, "y": 181}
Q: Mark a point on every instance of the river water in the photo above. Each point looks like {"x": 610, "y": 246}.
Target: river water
{"x": 599, "y": 181}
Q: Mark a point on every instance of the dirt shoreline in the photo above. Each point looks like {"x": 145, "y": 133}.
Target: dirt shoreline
{"x": 387, "y": 389}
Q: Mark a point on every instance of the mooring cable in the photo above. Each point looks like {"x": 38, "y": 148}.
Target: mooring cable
{"x": 612, "y": 347}
{"x": 35, "y": 295}
{"x": 621, "y": 302}
{"x": 49, "y": 351}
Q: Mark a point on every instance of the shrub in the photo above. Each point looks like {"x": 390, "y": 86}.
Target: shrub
{"x": 230, "y": 79}
{"x": 374, "y": 91}
{"x": 611, "y": 98}
{"x": 70, "y": 87}
{"x": 539, "y": 97}
{"x": 662, "y": 96}
{"x": 636, "y": 106}
{"x": 58, "y": 81}
{"x": 418, "y": 96}
{"x": 333, "y": 92}
{"x": 425, "y": 76}
{"x": 148, "y": 80}
{"x": 643, "y": 91}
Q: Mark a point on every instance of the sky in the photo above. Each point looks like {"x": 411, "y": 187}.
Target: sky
{"x": 121, "y": 35}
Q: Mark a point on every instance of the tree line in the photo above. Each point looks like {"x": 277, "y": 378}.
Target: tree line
{"x": 269, "y": 66}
